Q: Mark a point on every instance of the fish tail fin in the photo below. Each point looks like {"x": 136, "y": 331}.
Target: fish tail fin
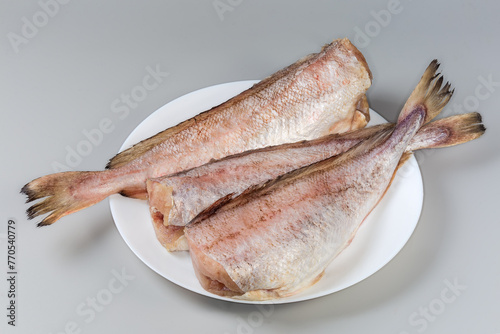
{"x": 449, "y": 131}
{"x": 429, "y": 95}
{"x": 65, "y": 193}
{"x": 132, "y": 153}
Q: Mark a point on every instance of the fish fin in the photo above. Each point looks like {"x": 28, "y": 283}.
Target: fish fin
{"x": 429, "y": 95}
{"x": 137, "y": 193}
{"x": 404, "y": 158}
{"x": 364, "y": 133}
{"x": 448, "y": 131}
{"x": 363, "y": 107}
{"x": 357, "y": 118}
{"x": 139, "y": 149}
{"x": 207, "y": 212}
{"x": 364, "y": 147}
{"x": 62, "y": 194}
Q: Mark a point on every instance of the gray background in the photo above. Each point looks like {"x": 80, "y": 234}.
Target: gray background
{"x": 63, "y": 78}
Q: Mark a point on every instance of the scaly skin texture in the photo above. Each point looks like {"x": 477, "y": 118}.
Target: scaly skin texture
{"x": 317, "y": 95}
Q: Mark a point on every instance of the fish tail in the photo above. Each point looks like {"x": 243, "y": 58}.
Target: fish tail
{"x": 430, "y": 94}
{"x": 449, "y": 131}
{"x": 65, "y": 193}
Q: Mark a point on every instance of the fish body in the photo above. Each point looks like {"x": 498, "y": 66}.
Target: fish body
{"x": 317, "y": 95}
{"x": 277, "y": 238}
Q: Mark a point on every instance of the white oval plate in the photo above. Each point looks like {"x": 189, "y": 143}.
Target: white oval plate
{"x": 384, "y": 232}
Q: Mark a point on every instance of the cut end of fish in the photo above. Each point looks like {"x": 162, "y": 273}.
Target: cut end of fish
{"x": 171, "y": 237}
{"x": 355, "y": 51}
{"x": 430, "y": 94}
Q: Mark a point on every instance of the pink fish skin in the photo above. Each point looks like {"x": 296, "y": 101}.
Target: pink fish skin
{"x": 277, "y": 238}
{"x": 316, "y": 95}
{"x": 174, "y": 200}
